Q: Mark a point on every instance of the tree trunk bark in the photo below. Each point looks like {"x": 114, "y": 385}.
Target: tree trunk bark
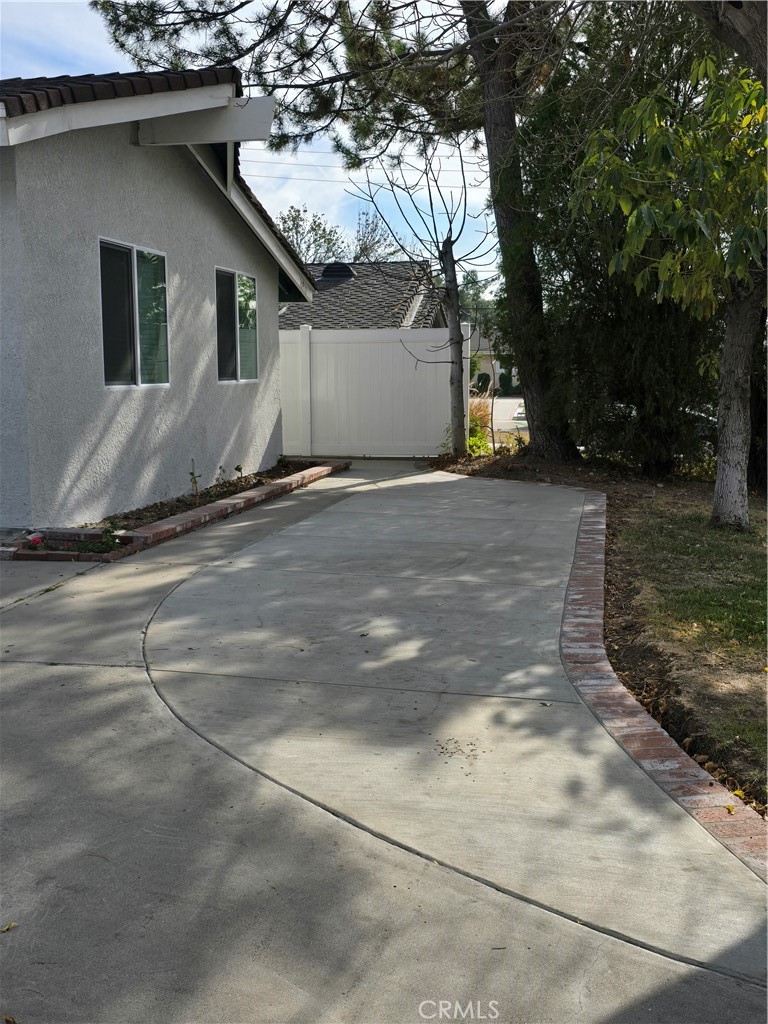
{"x": 456, "y": 349}
{"x": 742, "y": 26}
{"x": 757, "y": 466}
{"x": 495, "y": 60}
{"x": 742, "y": 320}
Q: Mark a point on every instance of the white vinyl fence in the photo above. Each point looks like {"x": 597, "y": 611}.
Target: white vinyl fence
{"x": 366, "y": 392}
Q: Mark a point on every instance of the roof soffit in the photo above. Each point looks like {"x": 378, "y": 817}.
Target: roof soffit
{"x": 98, "y": 113}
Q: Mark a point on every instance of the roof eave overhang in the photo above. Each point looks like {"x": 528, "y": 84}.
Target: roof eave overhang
{"x": 243, "y": 119}
{"x": 98, "y": 113}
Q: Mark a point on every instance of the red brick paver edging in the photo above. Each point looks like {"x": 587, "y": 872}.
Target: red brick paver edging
{"x": 175, "y": 526}
{"x": 740, "y": 829}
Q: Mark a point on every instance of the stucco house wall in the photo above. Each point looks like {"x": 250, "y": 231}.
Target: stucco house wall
{"x": 91, "y": 449}
{"x": 14, "y": 469}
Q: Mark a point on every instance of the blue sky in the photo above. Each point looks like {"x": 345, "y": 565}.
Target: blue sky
{"x": 44, "y": 38}
{"x": 38, "y": 37}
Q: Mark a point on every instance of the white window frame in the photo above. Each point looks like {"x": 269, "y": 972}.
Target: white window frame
{"x": 252, "y": 277}
{"x": 136, "y": 339}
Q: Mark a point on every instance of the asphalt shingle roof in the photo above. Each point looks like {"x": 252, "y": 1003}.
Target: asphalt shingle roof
{"x": 373, "y": 295}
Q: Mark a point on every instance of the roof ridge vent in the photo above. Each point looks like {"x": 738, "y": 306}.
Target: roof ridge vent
{"x": 338, "y": 270}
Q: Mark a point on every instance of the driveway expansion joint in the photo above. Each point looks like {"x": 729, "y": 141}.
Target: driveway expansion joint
{"x": 548, "y": 700}
{"x": 741, "y": 830}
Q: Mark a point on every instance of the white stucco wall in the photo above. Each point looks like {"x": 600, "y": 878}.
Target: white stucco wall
{"x": 15, "y": 508}
{"x": 95, "y": 450}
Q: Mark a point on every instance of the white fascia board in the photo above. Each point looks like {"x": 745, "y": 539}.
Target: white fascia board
{"x": 240, "y": 202}
{"x": 97, "y": 113}
{"x": 242, "y": 120}
{"x": 245, "y": 209}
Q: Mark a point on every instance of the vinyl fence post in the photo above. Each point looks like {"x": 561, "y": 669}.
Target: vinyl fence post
{"x": 466, "y": 330}
{"x": 305, "y": 389}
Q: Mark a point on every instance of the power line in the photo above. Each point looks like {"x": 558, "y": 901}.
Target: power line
{"x": 325, "y": 152}
{"x": 477, "y": 169}
{"x": 333, "y": 181}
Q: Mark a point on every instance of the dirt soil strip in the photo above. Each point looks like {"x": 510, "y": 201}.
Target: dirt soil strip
{"x": 740, "y": 829}
{"x": 148, "y": 536}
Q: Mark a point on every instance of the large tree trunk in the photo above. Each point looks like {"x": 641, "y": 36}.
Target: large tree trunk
{"x": 757, "y": 467}
{"x": 455, "y": 347}
{"x": 742, "y": 320}
{"x": 740, "y": 25}
{"x": 495, "y": 60}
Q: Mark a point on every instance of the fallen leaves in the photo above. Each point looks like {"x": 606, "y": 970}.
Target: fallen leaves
{"x": 7, "y": 927}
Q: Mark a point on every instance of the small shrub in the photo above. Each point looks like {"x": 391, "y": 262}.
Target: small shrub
{"x": 519, "y": 444}
{"x": 479, "y": 414}
{"x": 107, "y": 542}
{"x": 477, "y": 445}
{"x": 479, "y": 428}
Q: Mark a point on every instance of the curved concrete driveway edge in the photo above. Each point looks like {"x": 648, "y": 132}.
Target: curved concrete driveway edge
{"x": 741, "y": 830}
{"x": 224, "y": 657}
{"x": 590, "y": 926}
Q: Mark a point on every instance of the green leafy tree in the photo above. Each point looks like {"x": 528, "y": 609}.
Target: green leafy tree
{"x": 313, "y": 238}
{"x": 696, "y": 180}
{"x": 318, "y": 241}
{"x": 626, "y": 368}
{"x": 374, "y": 241}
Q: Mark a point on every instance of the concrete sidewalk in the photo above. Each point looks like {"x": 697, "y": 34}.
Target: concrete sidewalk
{"x": 383, "y": 646}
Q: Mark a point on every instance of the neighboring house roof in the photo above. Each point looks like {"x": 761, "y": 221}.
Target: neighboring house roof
{"x": 28, "y": 96}
{"x": 369, "y": 295}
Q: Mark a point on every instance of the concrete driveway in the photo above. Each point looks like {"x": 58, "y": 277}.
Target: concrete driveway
{"x": 505, "y": 418}
{"x": 377, "y": 795}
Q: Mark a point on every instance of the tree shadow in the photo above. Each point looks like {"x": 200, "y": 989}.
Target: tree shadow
{"x": 154, "y": 879}
{"x": 370, "y": 694}
{"x": 123, "y": 448}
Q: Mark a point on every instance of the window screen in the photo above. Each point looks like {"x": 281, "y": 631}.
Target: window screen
{"x": 226, "y": 325}
{"x": 117, "y": 314}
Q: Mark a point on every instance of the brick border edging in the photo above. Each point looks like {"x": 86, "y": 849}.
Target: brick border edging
{"x": 586, "y": 664}
{"x": 144, "y": 537}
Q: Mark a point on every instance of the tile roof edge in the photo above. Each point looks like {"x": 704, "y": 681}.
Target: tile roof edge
{"x": 21, "y": 96}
